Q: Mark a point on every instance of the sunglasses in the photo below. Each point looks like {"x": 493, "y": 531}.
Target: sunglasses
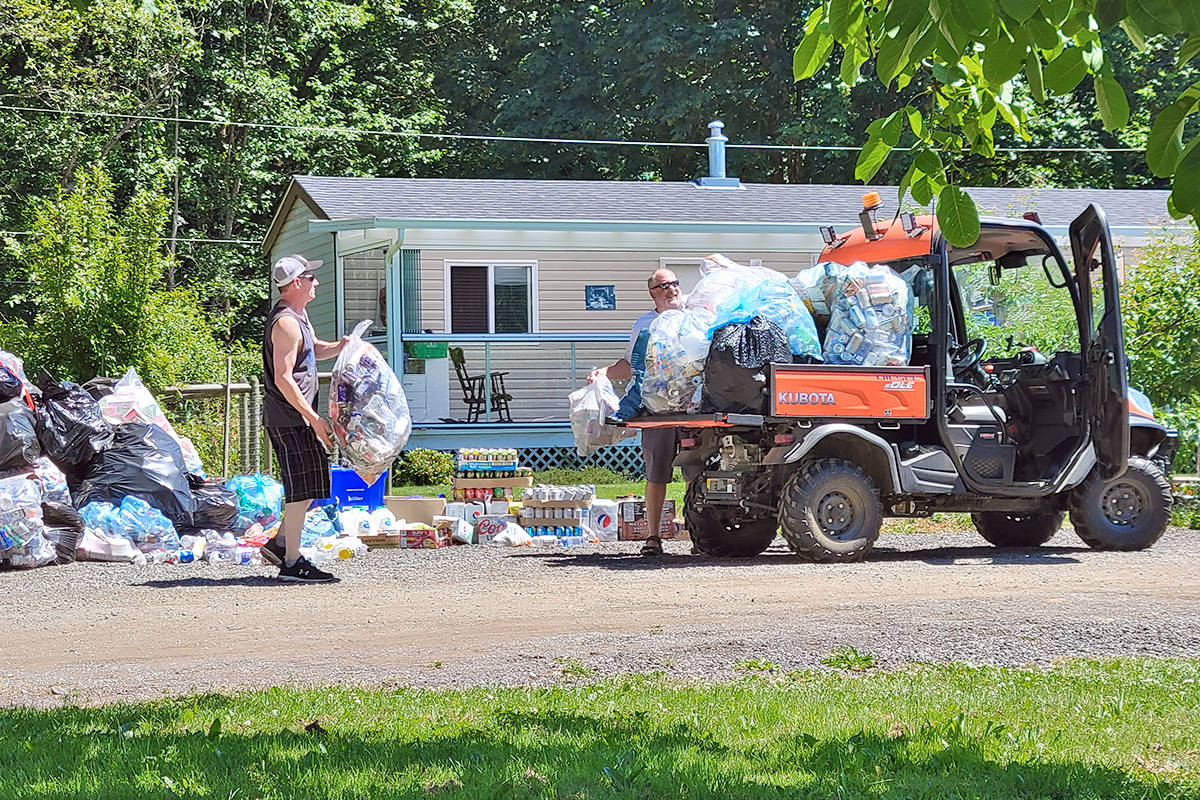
{"x": 665, "y": 285}
{"x": 306, "y": 277}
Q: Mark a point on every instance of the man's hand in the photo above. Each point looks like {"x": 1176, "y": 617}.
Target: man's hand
{"x": 345, "y": 340}
{"x": 597, "y": 373}
{"x": 324, "y": 432}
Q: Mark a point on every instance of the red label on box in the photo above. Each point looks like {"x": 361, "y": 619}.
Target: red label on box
{"x": 423, "y": 539}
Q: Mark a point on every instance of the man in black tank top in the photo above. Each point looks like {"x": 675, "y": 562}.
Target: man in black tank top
{"x": 300, "y": 436}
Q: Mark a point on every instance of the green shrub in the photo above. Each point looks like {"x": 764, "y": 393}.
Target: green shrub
{"x": 423, "y": 468}
{"x": 569, "y": 477}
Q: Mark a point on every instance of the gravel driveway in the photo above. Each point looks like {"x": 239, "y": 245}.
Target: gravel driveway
{"x": 88, "y": 633}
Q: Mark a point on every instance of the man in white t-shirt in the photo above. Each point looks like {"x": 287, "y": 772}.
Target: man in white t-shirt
{"x": 659, "y": 445}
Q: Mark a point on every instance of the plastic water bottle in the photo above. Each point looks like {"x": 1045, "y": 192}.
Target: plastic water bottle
{"x": 220, "y": 557}
{"x": 247, "y": 556}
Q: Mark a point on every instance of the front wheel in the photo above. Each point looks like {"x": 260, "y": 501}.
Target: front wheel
{"x": 1017, "y": 530}
{"x": 724, "y": 530}
{"x": 830, "y": 511}
{"x": 1130, "y": 512}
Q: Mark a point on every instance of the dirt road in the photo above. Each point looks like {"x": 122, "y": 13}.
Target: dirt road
{"x": 87, "y": 633}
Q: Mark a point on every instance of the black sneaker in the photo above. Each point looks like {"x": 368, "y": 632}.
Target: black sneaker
{"x": 304, "y": 572}
{"x": 273, "y": 551}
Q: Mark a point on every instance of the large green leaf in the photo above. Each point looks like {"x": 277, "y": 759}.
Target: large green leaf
{"x": 1189, "y": 50}
{"x": 811, "y": 54}
{"x": 929, "y": 162}
{"x": 1109, "y": 13}
{"x": 1065, "y": 72}
{"x": 904, "y": 25}
{"x": 852, "y": 61}
{"x": 1033, "y": 74}
{"x": 922, "y": 192}
{"x": 1134, "y": 33}
{"x": 871, "y": 158}
{"x": 1002, "y": 58}
{"x": 1111, "y": 100}
{"x": 845, "y": 18}
{"x": 915, "y": 120}
{"x": 1165, "y": 144}
{"x": 1185, "y": 188}
{"x": 1042, "y": 33}
{"x": 957, "y": 216}
{"x": 1020, "y": 10}
{"x": 888, "y": 128}
{"x": 973, "y": 16}
{"x": 1157, "y": 16}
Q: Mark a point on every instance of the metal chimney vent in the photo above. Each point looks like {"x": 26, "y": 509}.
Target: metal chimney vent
{"x": 716, "y": 178}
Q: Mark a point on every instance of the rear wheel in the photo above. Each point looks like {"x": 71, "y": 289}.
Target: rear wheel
{"x": 724, "y": 530}
{"x": 1017, "y": 530}
{"x": 1130, "y": 512}
{"x": 830, "y": 511}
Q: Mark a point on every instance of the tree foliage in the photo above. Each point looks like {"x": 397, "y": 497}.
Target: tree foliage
{"x": 958, "y": 65}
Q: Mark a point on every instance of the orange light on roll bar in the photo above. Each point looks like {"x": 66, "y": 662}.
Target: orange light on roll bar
{"x": 871, "y": 200}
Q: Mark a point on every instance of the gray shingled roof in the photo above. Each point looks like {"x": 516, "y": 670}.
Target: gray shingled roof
{"x": 823, "y": 204}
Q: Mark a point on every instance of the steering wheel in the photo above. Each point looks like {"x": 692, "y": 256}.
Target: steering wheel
{"x": 965, "y": 358}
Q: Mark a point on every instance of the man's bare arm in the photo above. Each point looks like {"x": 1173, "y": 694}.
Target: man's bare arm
{"x": 323, "y": 350}
{"x": 619, "y": 370}
{"x": 285, "y": 337}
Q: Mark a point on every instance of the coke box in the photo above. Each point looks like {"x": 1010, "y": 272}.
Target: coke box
{"x": 423, "y": 538}
{"x": 489, "y": 526}
{"x": 631, "y": 520}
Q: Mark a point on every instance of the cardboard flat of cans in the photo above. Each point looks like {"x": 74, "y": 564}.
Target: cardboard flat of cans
{"x": 423, "y": 538}
{"x": 631, "y": 520}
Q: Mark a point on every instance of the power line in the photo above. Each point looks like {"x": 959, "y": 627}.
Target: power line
{"x": 177, "y": 238}
{"x": 525, "y": 139}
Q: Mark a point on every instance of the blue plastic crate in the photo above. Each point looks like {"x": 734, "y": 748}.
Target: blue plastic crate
{"x": 348, "y": 489}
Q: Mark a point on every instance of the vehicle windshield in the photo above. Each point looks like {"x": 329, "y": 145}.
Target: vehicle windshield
{"x": 1023, "y": 304}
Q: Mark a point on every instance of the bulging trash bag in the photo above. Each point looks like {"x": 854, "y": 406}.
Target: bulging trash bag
{"x": 52, "y": 481}
{"x": 735, "y": 375}
{"x": 145, "y": 462}
{"x": 590, "y": 407}
{"x": 818, "y": 287}
{"x": 675, "y": 360}
{"x": 19, "y": 446}
{"x": 736, "y": 293}
{"x": 13, "y": 382}
{"x": 10, "y": 383}
{"x": 20, "y": 514}
{"x": 133, "y": 519}
{"x": 130, "y": 401}
{"x": 216, "y": 506}
{"x": 870, "y": 323}
{"x": 259, "y": 496}
{"x": 72, "y": 430}
{"x": 367, "y": 407}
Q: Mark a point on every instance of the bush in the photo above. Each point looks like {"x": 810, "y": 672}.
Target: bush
{"x": 599, "y": 476}
{"x": 423, "y": 468}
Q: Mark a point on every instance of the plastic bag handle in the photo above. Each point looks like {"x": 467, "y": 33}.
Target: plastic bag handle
{"x": 361, "y": 328}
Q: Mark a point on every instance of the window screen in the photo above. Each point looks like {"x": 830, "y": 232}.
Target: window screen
{"x": 512, "y": 299}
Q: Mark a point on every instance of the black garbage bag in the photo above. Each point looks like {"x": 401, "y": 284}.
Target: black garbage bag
{"x": 216, "y": 506}
{"x": 19, "y": 446}
{"x": 10, "y": 384}
{"x": 65, "y": 541}
{"x": 71, "y": 428}
{"x": 144, "y": 461}
{"x": 61, "y": 515}
{"x": 735, "y": 375}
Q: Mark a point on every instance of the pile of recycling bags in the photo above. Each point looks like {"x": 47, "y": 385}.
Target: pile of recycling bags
{"x": 712, "y": 354}
{"x": 99, "y": 473}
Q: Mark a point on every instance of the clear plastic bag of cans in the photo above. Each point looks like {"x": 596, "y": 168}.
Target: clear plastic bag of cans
{"x": 675, "y": 356}
{"x": 818, "y": 286}
{"x": 870, "y": 322}
{"x": 367, "y": 408}
{"x": 22, "y": 543}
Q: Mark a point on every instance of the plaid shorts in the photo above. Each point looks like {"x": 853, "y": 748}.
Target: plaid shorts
{"x": 303, "y": 462}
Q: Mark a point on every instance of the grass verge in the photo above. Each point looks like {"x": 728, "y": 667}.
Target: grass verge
{"x": 1120, "y": 728}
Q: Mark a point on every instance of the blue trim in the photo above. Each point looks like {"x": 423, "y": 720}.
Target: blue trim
{"x": 520, "y": 338}
{"x": 452, "y": 436}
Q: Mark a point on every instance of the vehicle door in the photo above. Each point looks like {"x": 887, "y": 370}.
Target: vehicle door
{"x": 1103, "y": 340}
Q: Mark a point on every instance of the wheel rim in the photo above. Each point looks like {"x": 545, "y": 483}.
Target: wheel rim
{"x": 1122, "y": 503}
{"x": 838, "y": 516}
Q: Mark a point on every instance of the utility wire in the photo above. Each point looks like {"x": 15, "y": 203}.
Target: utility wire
{"x": 178, "y": 239}
{"x": 526, "y": 139}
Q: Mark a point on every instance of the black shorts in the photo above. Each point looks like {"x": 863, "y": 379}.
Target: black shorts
{"x": 659, "y": 446}
{"x": 303, "y": 462}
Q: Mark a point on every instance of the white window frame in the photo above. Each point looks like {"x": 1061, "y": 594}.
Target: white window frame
{"x": 491, "y": 264}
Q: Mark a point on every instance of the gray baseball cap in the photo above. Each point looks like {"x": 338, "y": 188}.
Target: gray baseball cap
{"x": 288, "y": 268}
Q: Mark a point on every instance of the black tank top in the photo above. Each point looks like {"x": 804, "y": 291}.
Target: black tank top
{"x": 277, "y": 411}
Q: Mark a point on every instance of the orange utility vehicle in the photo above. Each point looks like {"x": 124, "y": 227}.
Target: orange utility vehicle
{"x": 1017, "y": 440}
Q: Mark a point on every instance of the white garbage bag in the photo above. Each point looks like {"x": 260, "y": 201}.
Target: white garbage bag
{"x": 590, "y": 407}
{"x": 367, "y": 407}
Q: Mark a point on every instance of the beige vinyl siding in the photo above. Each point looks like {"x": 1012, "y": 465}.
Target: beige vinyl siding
{"x": 364, "y": 275}
{"x": 294, "y": 237}
{"x": 539, "y": 375}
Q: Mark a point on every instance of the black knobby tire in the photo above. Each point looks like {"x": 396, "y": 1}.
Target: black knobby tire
{"x": 724, "y": 531}
{"x": 1017, "y": 530}
{"x": 1130, "y": 512}
{"x": 830, "y": 511}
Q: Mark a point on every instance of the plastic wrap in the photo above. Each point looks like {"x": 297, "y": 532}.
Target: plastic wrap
{"x": 135, "y": 520}
{"x": 675, "y": 359}
{"x": 143, "y": 461}
{"x": 735, "y": 377}
{"x": 818, "y": 287}
{"x": 13, "y": 382}
{"x": 870, "y": 323}
{"x": 590, "y": 407}
{"x": 131, "y": 401}
{"x": 19, "y": 446}
{"x": 73, "y": 431}
{"x": 367, "y": 408}
{"x": 20, "y": 515}
{"x": 52, "y": 480}
{"x": 259, "y": 496}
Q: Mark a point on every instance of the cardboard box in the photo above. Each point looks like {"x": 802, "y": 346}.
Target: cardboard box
{"x": 373, "y": 540}
{"x": 416, "y": 509}
{"x": 631, "y": 520}
{"x": 423, "y": 538}
{"x": 488, "y": 526}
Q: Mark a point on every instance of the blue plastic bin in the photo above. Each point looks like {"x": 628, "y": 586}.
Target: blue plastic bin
{"x": 350, "y": 490}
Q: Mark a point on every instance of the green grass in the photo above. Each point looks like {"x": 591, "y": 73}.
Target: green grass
{"x": 1084, "y": 729}
{"x": 848, "y": 658}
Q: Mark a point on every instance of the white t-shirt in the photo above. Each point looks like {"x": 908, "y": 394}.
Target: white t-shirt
{"x": 639, "y": 325}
